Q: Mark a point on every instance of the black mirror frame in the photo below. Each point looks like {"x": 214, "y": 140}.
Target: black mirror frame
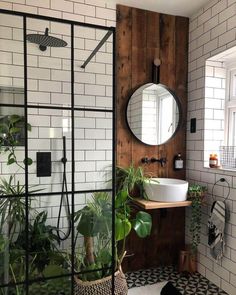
{"x": 177, "y": 102}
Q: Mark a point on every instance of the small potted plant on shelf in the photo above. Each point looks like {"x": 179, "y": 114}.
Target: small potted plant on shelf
{"x": 94, "y": 224}
{"x": 132, "y": 178}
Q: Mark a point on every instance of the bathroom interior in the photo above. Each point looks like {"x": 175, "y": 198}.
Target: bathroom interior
{"x": 117, "y": 141}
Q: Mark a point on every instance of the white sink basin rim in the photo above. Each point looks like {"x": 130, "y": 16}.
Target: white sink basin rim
{"x": 166, "y": 189}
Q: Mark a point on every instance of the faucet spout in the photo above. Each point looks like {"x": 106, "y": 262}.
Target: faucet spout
{"x": 162, "y": 161}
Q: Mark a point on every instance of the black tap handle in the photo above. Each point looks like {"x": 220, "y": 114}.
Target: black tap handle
{"x": 163, "y": 161}
{"x": 145, "y": 160}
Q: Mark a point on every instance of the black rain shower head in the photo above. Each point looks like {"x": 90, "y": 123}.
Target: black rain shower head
{"x": 44, "y": 40}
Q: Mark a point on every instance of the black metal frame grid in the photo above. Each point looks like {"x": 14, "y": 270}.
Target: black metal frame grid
{"x": 27, "y": 282}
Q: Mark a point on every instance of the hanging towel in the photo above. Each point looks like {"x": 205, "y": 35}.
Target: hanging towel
{"x": 216, "y": 228}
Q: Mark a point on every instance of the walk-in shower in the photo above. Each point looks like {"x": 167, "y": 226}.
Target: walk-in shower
{"x": 60, "y": 99}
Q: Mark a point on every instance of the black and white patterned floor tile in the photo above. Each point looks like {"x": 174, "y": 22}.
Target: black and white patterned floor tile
{"x": 186, "y": 284}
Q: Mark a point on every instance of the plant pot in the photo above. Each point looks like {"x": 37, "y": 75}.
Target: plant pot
{"x": 187, "y": 261}
{"x": 102, "y": 286}
{"x": 193, "y": 263}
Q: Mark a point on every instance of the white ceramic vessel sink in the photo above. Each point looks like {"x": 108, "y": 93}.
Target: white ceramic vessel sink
{"x": 167, "y": 190}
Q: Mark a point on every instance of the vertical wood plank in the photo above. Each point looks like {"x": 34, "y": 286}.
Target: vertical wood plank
{"x": 139, "y": 73}
{"x": 123, "y": 57}
{"x": 167, "y": 77}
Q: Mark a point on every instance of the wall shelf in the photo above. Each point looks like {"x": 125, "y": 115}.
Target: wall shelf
{"x": 148, "y": 205}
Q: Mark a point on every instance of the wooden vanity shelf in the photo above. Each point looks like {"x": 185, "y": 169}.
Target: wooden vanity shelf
{"x": 148, "y": 205}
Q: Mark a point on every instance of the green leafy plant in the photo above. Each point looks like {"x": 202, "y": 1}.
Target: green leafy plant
{"x": 124, "y": 222}
{"x": 42, "y": 241}
{"x": 94, "y": 223}
{"x": 12, "y": 208}
{"x": 13, "y": 200}
{"x": 131, "y": 179}
{"x": 196, "y": 193}
{"x": 11, "y": 129}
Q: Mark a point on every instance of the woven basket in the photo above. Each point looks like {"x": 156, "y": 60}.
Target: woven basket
{"x": 103, "y": 286}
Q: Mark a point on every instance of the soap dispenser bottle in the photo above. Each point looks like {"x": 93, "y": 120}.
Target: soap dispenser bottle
{"x": 178, "y": 162}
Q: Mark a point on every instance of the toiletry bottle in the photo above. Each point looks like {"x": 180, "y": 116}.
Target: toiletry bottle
{"x": 213, "y": 161}
{"x": 178, "y": 162}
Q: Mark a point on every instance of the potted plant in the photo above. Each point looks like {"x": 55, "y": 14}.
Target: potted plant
{"x": 132, "y": 179}
{"x": 94, "y": 224}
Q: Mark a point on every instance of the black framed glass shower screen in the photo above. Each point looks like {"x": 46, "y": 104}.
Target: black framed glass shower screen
{"x": 51, "y": 107}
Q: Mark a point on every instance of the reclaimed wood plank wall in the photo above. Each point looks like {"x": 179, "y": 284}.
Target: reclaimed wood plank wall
{"x": 143, "y": 36}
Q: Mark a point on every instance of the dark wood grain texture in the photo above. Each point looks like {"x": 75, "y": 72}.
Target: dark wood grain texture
{"x": 143, "y": 36}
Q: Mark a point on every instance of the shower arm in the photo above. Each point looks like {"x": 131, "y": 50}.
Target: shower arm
{"x": 100, "y": 44}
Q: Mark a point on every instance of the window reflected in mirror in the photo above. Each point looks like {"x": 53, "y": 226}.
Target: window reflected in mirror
{"x": 153, "y": 114}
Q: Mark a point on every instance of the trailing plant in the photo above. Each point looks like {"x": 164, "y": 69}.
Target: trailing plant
{"x": 12, "y": 208}
{"x": 195, "y": 194}
{"x": 94, "y": 223}
{"x": 11, "y": 130}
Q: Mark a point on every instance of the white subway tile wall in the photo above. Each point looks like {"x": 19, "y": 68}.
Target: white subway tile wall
{"x": 49, "y": 84}
{"x": 212, "y": 30}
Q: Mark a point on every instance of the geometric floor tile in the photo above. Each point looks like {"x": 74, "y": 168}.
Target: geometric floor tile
{"x": 187, "y": 284}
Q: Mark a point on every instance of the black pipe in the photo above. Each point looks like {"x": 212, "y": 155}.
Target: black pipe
{"x": 100, "y": 44}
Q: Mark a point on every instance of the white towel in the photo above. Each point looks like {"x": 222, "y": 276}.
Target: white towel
{"x": 216, "y": 228}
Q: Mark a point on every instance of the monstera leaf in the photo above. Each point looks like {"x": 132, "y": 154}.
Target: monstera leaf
{"x": 122, "y": 228}
{"x": 142, "y": 224}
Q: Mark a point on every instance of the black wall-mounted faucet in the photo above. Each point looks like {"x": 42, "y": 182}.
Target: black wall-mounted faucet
{"x": 162, "y": 161}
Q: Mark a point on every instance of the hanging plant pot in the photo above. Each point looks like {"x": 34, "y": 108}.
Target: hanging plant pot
{"x": 102, "y": 286}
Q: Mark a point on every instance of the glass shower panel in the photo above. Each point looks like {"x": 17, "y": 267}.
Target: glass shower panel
{"x": 11, "y": 59}
{"x": 12, "y": 193}
{"x": 93, "y": 84}
{"x": 49, "y": 68}
{"x": 49, "y": 139}
{"x": 93, "y": 150}
{"x": 93, "y": 236}
{"x": 50, "y": 236}
{"x": 51, "y": 287}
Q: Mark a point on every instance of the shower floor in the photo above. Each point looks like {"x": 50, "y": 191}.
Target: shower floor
{"x": 194, "y": 284}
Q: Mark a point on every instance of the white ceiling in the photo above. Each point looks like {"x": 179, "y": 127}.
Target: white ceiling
{"x": 227, "y": 56}
{"x": 174, "y": 7}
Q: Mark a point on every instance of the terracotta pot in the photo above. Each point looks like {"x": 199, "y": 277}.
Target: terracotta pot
{"x": 187, "y": 261}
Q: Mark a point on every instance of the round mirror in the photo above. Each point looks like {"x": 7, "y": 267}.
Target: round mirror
{"x": 153, "y": 114}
